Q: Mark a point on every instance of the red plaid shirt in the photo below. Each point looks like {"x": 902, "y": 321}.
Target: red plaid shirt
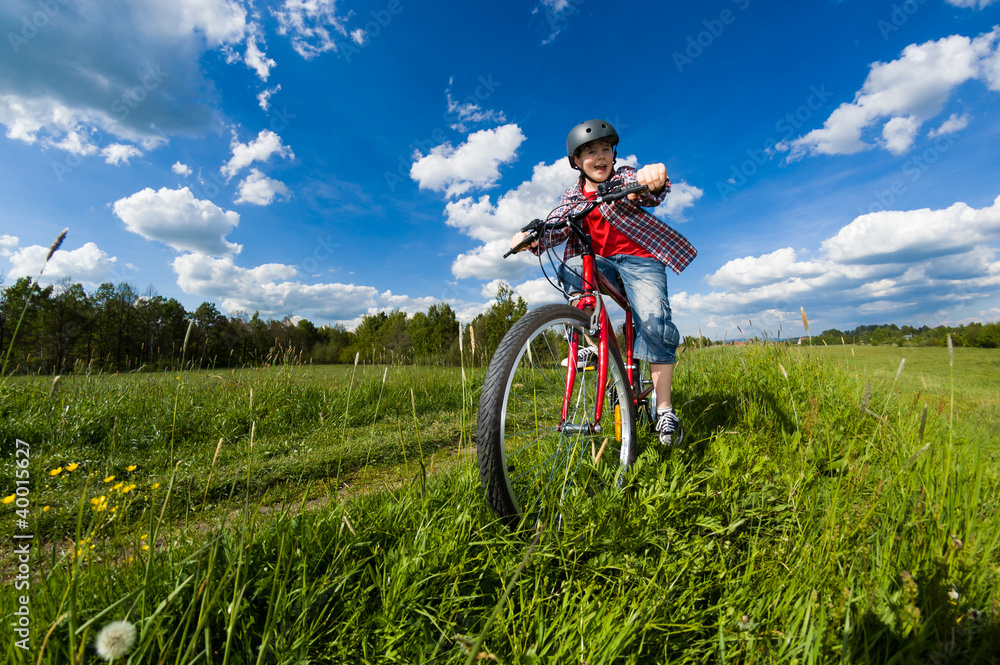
{"x": 663, "y": 242}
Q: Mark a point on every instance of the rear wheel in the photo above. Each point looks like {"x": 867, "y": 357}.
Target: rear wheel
{"x": 531, "y": 464}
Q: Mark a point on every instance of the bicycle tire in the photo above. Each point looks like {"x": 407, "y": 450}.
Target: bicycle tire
{"x": 528, "y": 465}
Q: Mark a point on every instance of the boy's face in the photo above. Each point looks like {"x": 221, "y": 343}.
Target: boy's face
{"x": 595, "y": 160}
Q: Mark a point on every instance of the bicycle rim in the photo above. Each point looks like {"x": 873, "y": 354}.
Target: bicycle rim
{"x": 536, "y": 463}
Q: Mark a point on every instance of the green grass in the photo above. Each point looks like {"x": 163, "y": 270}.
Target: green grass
{"x": 819, "y": 514}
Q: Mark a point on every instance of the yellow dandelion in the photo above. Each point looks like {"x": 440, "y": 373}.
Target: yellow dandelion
{"x": 72, "y": 467}
{"x": 154, "y": 486}
{"x": 56, "y": 471}
{"x": 118, "y": 485}
{"x": 128, "y": 488}
{"x": 8, "y": 499}
{"x": 46, "y": 509}
{"x": 130, "y": 469}
{"x": 109, "y": 479}
{"x": 145, "y": 547}
{"x": 144, "y": 536}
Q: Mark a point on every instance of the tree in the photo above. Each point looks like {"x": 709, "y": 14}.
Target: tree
{"x": 490, "y": 326}
{"x": 69, "y": 315}
{"x": 434, "y": 334}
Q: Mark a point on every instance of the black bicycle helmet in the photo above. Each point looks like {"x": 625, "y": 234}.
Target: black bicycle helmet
{"x": 586, "y": 132}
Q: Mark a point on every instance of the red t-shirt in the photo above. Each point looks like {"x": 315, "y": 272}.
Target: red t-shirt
{"x": 608, "y": 240}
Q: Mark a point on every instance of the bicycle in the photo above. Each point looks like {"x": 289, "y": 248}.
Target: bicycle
{"x": 554, "y": 424}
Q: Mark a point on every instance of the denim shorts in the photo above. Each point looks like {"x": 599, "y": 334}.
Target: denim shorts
{"x": 645, "y": 282}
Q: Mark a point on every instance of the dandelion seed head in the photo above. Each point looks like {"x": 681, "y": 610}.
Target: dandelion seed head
{"x": 115, "y": 640}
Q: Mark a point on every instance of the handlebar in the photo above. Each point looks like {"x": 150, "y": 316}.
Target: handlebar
{"x": 606, "y": 193}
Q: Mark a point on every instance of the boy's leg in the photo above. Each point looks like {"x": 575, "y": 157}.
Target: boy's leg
{"x": 663, "y": 378}
{"x": 646, "y": 285}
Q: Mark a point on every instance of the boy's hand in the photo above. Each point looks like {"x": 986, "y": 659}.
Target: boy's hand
{"x": 653, "y": 176}
{"x": 518, "y": 237}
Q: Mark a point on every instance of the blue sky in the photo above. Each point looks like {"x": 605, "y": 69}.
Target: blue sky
{"x": 333, "y": 158}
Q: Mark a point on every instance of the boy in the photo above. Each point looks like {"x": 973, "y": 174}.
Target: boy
{"x": 631, "y": 245}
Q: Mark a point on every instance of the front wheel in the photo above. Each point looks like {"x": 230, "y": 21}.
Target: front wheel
{"x": 531, "y": 464}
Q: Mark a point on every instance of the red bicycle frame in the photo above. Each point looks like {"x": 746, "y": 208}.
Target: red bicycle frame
{"x": 591, "y": 301}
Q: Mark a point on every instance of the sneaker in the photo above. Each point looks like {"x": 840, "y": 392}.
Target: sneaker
{"x": 586, "y": 358}
{"x": 668, "y": 428}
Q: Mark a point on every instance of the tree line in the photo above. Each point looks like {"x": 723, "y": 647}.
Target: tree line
{"x": 65, "y": 328}
{"x": 982, "y": 335}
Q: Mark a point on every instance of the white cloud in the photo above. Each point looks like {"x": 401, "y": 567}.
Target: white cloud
{"x": 681, "y": 197}
{"x": 469, "y": 112}
{"x": 255, "y": 58}
{"x": 474, "y": 164}
{"x": 179, "y": 220}
{"x": 260, "y": 149}
{"x": 260, "y": 190}
{"x": 754, "y": 271}
{"x": 955, "y": 123}
{"x": 220, "y": 22}
{"x": 275, "y": 291}
{"x": 7, "y": 245}
{"x": 971, "y": 4}
{"x": 495, "y": 224}
{"x": 895, "y": 262}
{"x": 88, "y": 265}
{"x": 897, "y": 236}
{"x": 119, "y": 153}
{"x": 181, "y": 169}
{"x": 556, "y": 12}
{"x": 264, "y": 97}
{"x": 309, "y": 23}
{"x": 124, "y": 94}
{"x": 909, "y": 91}
{"x": 899, "y": 133}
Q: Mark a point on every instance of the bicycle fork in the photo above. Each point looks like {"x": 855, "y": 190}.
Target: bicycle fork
{"x": 572, "y": 370}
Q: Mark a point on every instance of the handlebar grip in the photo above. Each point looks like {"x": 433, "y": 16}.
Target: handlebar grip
{"x": 524, "y": 244}
{"x": 622, "y": 193}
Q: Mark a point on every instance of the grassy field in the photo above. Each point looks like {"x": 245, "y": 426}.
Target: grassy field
{"x": 823, "y": 511}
